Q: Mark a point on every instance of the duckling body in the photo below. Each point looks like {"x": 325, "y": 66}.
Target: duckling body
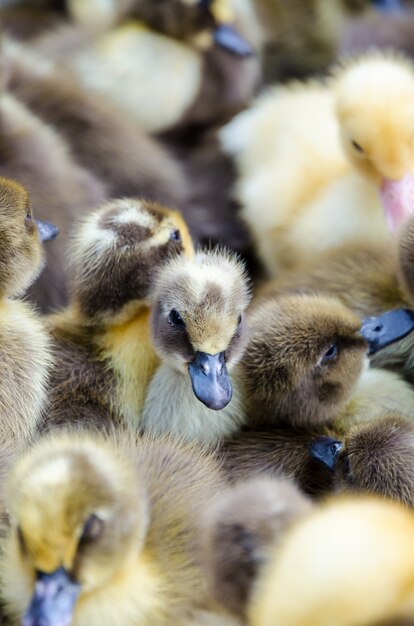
{"x": 37, "y": 157}
{"x": 240, "y": 527}
{"x": 104, "y": 142}
{"x": 181, "y": 37}
{"x": 198, "y": 332}
{"x": 134, "y": 539}
{"x": 24, "y": 343}
{"x": 318, "y": 175}
{"x": 105, "y": 357}
{"x": 363, "y": 579}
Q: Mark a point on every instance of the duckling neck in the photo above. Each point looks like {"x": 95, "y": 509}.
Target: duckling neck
{"x": 170, "y": 405}
{"x": 128, "y": 348}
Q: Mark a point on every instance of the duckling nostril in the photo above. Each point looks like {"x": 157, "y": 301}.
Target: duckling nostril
{"x": 378, "y": 328}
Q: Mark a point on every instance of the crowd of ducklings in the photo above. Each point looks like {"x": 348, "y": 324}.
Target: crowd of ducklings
{"x": 206, "y": 313}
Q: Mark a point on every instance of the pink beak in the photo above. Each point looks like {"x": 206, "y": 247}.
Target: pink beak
{"x": 397, "y": 197}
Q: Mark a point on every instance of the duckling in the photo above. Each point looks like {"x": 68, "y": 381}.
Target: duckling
{"x": 32, "y": 153}
{"x": 373, "y": 458}
{"x": 104, "y": 354}
{"x": 105, "y": 143}
{"x": 24, "y": 343}
{"x": 303, "y": 360}
{"x": 354, "y": 560}
{"x": 198, "y": 331}
{"x": 106, "y": 530}
{"x": 240, "y": 526}
{"x": 357, "y": 152}
{"x": 202, "y": 62}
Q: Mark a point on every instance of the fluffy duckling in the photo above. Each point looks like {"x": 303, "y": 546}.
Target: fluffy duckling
{"x": 104, "y": 352}
{"x": 60, "y": 190}
{"x": 374, "y": 458}
{"x": 303, "y": 361}
{"x": 239, "y": 528}
{"x": 201, "y": 60}
{"x": 24, "y": 343}
{"x": 357, "y": 152}
{"x": 106, "y": 531}
{"x": 199, "y": 333}
{"x": 104, "y": 142}
{"x": 354, "y": 560}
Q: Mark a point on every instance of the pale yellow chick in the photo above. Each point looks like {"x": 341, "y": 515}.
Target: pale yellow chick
{"x": 322, "y": 164}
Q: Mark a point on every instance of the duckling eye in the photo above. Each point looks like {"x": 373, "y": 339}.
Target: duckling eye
{"x": 175, "y": 236}
{"x": 357, "y": 147}
{"x": 239, "y": 320}
{"x": 175, "y": 318}
{"x": 330, "y": 354}
{"x": 20, "y": 539}
{"x": 92, "y": 529}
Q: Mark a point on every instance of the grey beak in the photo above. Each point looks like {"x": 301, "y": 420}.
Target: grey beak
{"x": 326, "y": 450}
{"x": 383, "y": 330}
{"x": 46, "y": 230}
{"x": 210, "y": 380}
{"x": 53, "y": 600}
{"x": 229, "y": 39}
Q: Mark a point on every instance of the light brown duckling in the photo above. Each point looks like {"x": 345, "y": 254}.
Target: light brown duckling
{"x": 24, "y": 343}
{"x": 348, "y": 563}
{"x": 199, "y": 333}
{"x": 240, "y": 527}
{"x": 105, "y": 357}
{"x": 107, "y": 530}
{"x": 303, "y": 361}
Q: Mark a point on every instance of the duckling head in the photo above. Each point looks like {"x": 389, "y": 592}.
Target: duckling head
{"x": 116, "y": 252}
{"x": 303, "y": 359}
{"x": 22, "y": 256}
{"x": 79, "y": 513}
{"x": 376, "y": 458}
{"x": 374, "y": 97}
{"x": 198, "y": 321}
{"x": 201, "y": 22}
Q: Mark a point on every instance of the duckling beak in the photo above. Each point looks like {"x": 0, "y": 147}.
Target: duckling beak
{"x": 227, "y": 37}
{"x": 326, "y": 450}
{"x": 53, "y": 600}
{"x": 46, "y": 230}
{"x": 397, "y": 197}
{"x": 388, "y": 6}
{"x": 383, "y": 330}
{"x": 210, "y": 380}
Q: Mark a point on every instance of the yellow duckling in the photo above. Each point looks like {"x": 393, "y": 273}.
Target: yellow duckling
{"x": 194, "y": 46}
{"x": 104, "y": 354}
{"x": 324, "y": 164}
{"x": 347, "y": 563}
{"x": 106, "y": 531}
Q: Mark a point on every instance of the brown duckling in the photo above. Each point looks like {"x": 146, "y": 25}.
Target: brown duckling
{"x": 24, "y": 343}
{"x": 303, "y": 361}
{"x": 104, "y": 142}
{"x": 199, "y": 333}
{"x": 202, "y": 62}
{"x": 373, "y": 458}
{"x": 347, "y": 563}
{"x": 35, "y": 155}
{"x": 240, "y": 527}
{"x": 105, "y": 357}
{"x": 107, "y": 530}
